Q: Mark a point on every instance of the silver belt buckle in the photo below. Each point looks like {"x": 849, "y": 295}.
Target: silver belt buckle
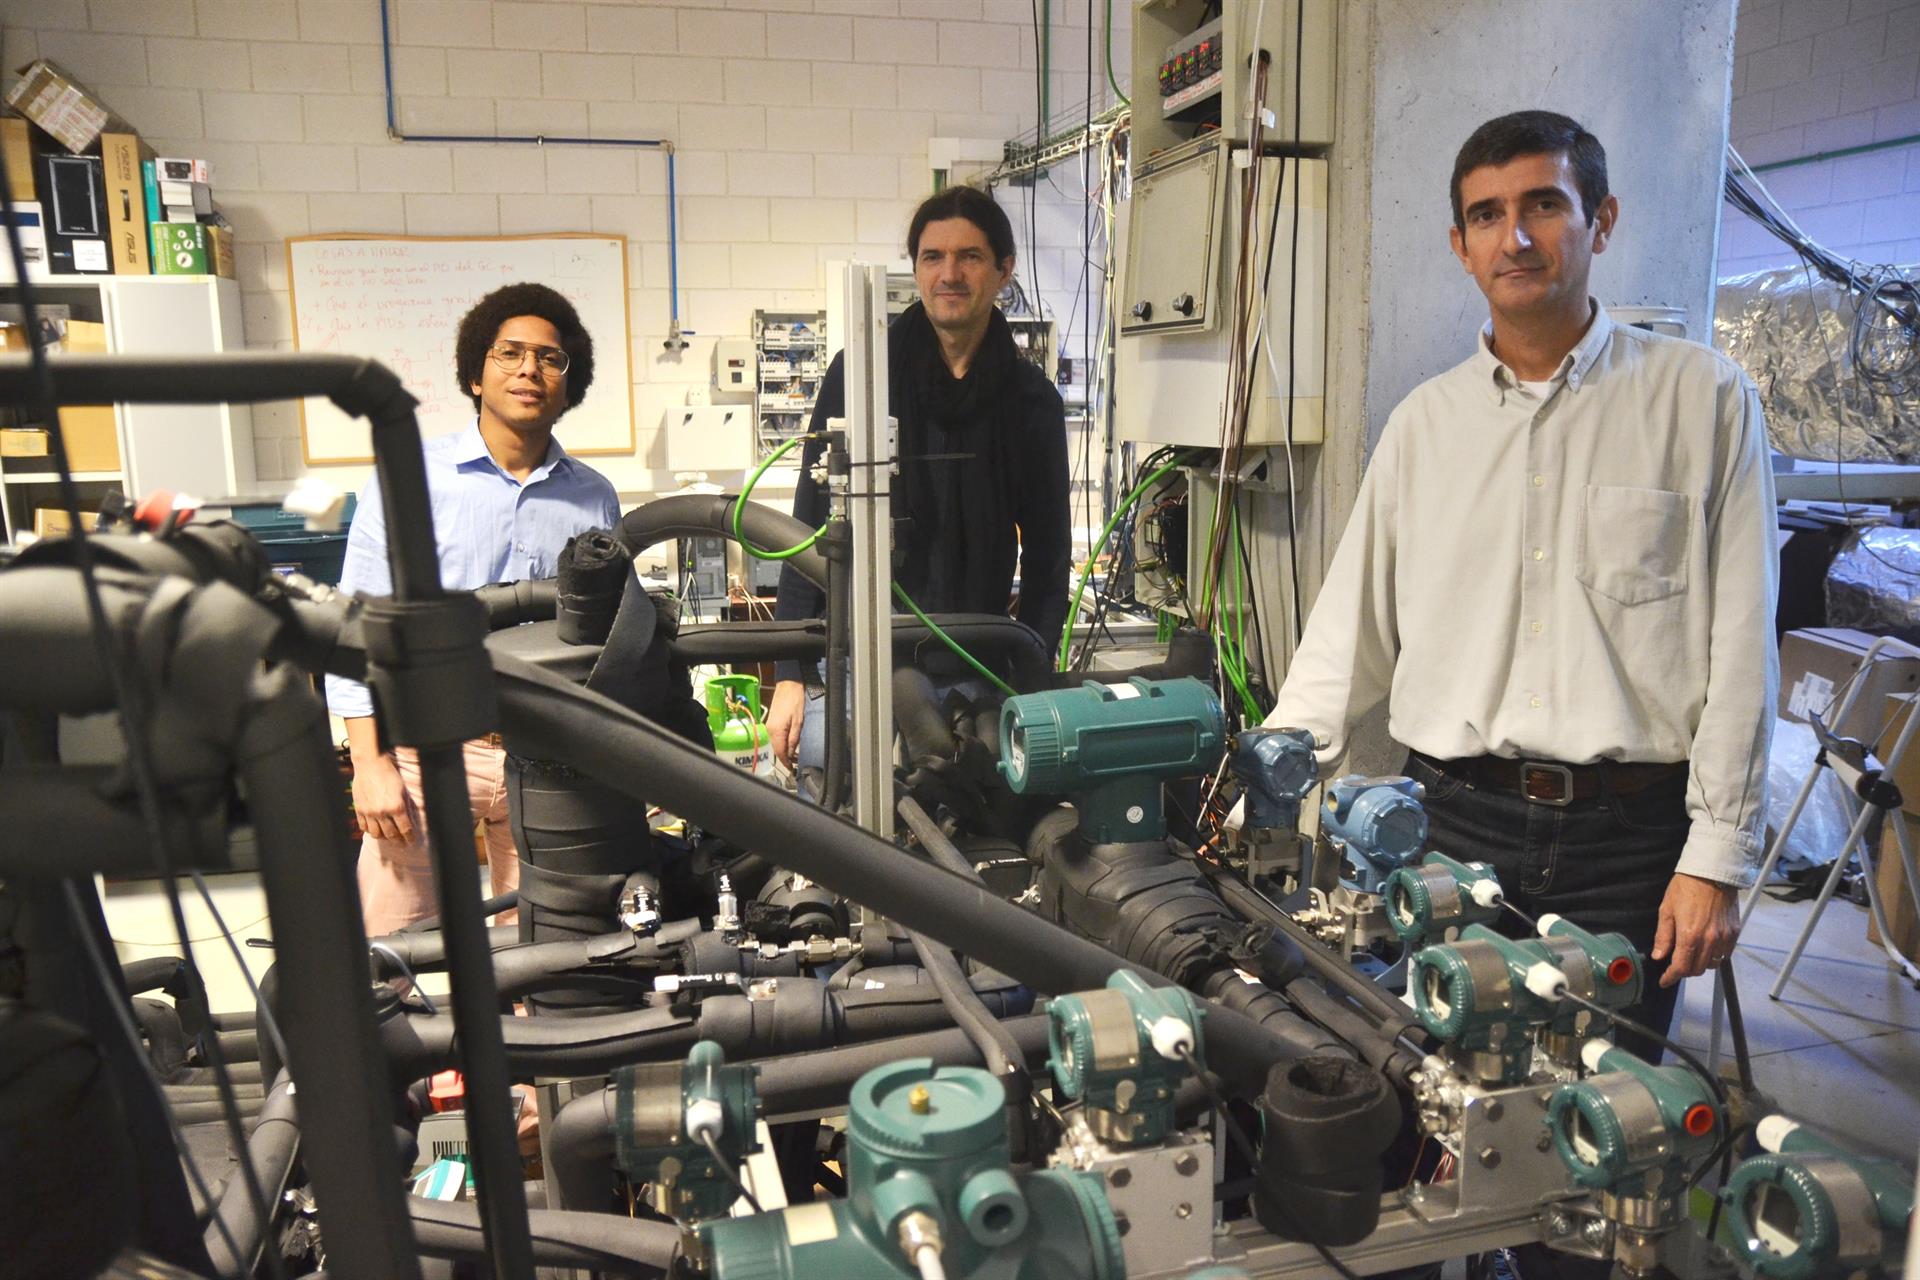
{"x": 1553, "y": 777}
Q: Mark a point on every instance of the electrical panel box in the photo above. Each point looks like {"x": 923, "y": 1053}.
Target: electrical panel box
{"x": 1194, "y": 73}
{"x": 701, "y": 573}
{"x": 1171, "y": 383}
{"x": 736, "y": 365}
{"x": 1171, "y": 267}
{"x": 708, "y": 437}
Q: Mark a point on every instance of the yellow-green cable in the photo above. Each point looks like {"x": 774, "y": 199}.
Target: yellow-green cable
{"x": 949, "y": 641}
{"x": 1125, "y": 101}
{"x": 762, "y": 553}
{"x": 1093, "y": 552}
{"x": 739, "y": 504}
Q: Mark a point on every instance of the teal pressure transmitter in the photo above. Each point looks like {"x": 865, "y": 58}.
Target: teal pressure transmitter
{"x": 1424, "y": 901}
{"x": 1484, "y": 992}
{"x": 1122, "y": 1052}
{"x": 1631, "y": 1128}
{"x": 1109, "y": 747}
{"x": 930, "y": 1190}
{"x": 1809, "y": 1209}
{"x": 667, "y": 1114}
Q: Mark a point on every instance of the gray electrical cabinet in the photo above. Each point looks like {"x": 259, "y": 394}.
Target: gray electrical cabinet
{"x": 1177, "y": 298}
{"x": 1194, "y": 72}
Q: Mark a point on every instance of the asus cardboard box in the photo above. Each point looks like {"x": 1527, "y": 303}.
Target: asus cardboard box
{"x": 127, "y": 215}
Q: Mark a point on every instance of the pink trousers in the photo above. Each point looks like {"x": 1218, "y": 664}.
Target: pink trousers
{"x": 396, "y": 876}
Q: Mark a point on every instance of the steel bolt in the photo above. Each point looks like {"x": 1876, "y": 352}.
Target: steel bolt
{"x": 1543, "y": 1143}
{"x": 1183, "y": 1211}
{"x": 1120, "y": 1177}
{"x": 1120, "y": 1221}
{"x": 1186, "y": 1164}
{"x": 1559, "y": 1223}
{"x": 1495, "y": 1109}
{"x": 1490, "y": 1157}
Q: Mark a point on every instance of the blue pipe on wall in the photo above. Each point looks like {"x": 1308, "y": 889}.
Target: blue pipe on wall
{"x": 541, "y": 140}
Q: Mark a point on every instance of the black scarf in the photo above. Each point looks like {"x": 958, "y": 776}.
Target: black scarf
{"x": 952, "y": 455}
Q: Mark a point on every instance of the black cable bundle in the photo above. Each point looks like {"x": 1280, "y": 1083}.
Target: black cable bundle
{"x": 594, "y": 569}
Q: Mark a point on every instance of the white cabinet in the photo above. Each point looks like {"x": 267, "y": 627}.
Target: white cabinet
{"x": 203, "y": 450}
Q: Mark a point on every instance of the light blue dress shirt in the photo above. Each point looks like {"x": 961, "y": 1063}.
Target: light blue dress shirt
{"x": 489, "y": 527}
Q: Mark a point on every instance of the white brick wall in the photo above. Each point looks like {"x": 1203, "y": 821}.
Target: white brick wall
{"x": 1813, "y": 76}
{"x": 800, "y": 128}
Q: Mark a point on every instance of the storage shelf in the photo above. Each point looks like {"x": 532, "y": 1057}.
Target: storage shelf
{"x": 53, "y": 477}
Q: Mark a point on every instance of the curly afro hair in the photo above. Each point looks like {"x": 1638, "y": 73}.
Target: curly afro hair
{"x": 480, "y": 326}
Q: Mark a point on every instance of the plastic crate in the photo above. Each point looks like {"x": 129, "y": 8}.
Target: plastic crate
{"x": 284, "y": 533}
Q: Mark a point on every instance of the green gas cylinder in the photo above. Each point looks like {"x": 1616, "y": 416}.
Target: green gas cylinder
{"x": 739, "y": 728}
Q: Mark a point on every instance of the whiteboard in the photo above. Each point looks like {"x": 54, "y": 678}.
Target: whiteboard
{"x": 399, "y": 299}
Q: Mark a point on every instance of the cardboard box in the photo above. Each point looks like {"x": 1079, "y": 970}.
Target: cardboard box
{"x": 23, "y": 442}
{"x": 1817, "y": 663}
{"x": 1895, "y": 900}
{"x": 73, "y": 192}
{"x": 127, "y": 234}
{"x": 192, "y": 249}
{"x": 33, "y": 243}
{"x": 91, "y": 432}
{"x": 48, "y": 95}
{"x": 51, "y": 521}
{"x": 16, "y": 145}
{"x": 196, "y": 196}
{"x": 175, "y": 169}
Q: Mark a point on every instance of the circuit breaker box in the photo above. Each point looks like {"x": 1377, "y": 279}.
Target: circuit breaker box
{"x": 1174, "y": 350}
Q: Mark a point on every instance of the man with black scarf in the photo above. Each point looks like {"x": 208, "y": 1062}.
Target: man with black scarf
{"x": 983, "y": 447}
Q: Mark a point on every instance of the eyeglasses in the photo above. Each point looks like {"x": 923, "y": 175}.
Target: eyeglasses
{"x": 511, "y": 355}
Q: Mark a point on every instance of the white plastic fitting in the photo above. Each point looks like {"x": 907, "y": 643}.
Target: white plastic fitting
{"x": 1171, "y": 1037}
{"x": 1772, "y": 1131}
{"x": 1592, "y": 1051}
{"x": 705, "y": 1120}
{"x": 1486, "y": 893}
{"x": 1546, "y": 981}
{"x": 1547, "y": 922}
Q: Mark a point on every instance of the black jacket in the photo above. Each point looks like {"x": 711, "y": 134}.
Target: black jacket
{"x": 982, "y": 482}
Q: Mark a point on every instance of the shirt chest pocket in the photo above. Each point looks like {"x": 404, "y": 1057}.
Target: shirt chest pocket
{"x": 1634, "y": 543}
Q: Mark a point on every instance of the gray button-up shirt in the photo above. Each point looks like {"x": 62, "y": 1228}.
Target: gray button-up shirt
{"x": 1589, "y": 575}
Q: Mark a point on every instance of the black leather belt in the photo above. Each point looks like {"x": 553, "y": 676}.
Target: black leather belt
{"x": 1551, "y": 782}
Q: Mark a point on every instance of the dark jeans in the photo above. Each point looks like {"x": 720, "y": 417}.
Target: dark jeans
{"x": 1603, "y": 863}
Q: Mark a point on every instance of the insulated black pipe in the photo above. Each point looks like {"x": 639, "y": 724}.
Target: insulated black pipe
{"x": 580, "y": 1144}
{"x": 558, "y": 719}
{"x": 286, "y": 762}
{"x": 1010, "y": 647}
{"x": 48, "y": 811}
{"x": 707, "y": 515}
{"x": 513, "y": 604}
{"x": 601, "y": 1242}
{"x": 491, "y": 907}
{"x": 839, "y": 761}
{"x": 1380, "y": 1007}
{"x": 916, "y": 710}
{"x": 802, "y": 1014}
{"x": 271, "y": 1150}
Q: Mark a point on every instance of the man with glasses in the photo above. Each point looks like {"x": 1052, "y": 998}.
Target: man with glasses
{"x": 506, "y": 497}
